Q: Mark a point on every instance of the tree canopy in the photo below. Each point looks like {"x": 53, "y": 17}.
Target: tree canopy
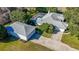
{"x": 17, "y": 15}
{"x": 3, "y": 32}
{"x": 46, "y": 9}
{"x": 72, "y": 17}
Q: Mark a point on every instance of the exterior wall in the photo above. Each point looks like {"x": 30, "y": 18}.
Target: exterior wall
{"x": 17, "y": 35}
{"x": 39, "y": 24}
{"x": 62, "y": 30}
{"x": 26, "y": 37}
{"x": 22, "y": 37}
{"x": 30, "y": 34}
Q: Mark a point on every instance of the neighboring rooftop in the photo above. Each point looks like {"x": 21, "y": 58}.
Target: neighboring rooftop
{"x": 39, "y": 15}
{"x": 55, "y": 16}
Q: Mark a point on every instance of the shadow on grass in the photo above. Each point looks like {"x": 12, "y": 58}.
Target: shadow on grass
{"x": 9, "y": 39}
{"x": 12, "y": 36}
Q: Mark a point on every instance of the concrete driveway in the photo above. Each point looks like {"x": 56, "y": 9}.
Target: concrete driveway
{"x": 57, "y": 36}
{"x": 53, "y": 43}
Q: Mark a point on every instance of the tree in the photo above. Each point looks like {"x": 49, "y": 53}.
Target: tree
{"x": 72, "y": 17}
{"x": 46, "y": 9}
{"x": 42, "y": 9}
{"x": 52, "y": 9}
{"x": 3, "y": 32}
{"x": 17, "y": 15}
{"x": 29, "y": 13}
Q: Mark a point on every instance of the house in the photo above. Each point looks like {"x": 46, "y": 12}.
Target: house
{"x": 21, "y": 30}
{"x": 55, "y": 19}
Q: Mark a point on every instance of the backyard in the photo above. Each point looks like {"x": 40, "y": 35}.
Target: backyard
{"x": 20, "y": 46}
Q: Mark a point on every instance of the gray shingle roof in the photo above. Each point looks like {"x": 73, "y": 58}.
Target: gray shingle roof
{"x": 57, "y": 16}
{"x": 39, "y": 15}
{"x": 22, "y": 28}
{"x": 55, "y": 21}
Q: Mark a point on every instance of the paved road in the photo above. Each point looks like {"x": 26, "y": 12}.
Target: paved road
{"x": 54, "y": 43}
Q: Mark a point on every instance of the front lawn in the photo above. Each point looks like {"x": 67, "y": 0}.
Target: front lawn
{"x": 71, "y": 40}
{"x": 20, "y": 46}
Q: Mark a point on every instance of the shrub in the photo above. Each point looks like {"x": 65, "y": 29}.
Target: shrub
{"x": 3, "y": 32}
{"x": 50, "y": 29}
{"x": 43, "y": 27}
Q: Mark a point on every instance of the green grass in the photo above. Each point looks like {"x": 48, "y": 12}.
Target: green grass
{"x": 71, "y": 40}
{"x": 42, "y": 28}
{"x": 20, "y": 46}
